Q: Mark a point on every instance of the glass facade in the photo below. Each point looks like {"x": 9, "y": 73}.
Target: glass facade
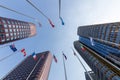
{"x": 100, "y": 68}
{"x": 102, "y": 44}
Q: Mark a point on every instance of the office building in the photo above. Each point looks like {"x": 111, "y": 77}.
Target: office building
{"x": 30, "y": 69}
{"x": 12, "y": 30}
{"x": 101, "y": 43}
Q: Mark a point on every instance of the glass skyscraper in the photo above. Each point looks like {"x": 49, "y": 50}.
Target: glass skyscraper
{"x": 11, "y": 30}
{"x": 30, "y": 69}
{"x": 101, "y": 43}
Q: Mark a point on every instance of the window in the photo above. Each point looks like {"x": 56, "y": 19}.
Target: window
{"x": 12, "y": 22}
{"x": 9, "y": 26}
{"x": 11, "y": 34}
{"x": 3, "y": 40}
{"x": 7, "y": 35}
{"x": 3, "y": 21}
{"x": 6, "y": 30}
{"x": 8, "y": 21}
{"x": 15, "y": 34}
{"x": 14, "y": 30}
{"x": 1, "y": 30}
{"x": 16, "y": 26}
{"x": 15, "y": 22}
{"x": 5, "y": 26}
{"x": 8, "y": 39}
{"x": 11, "y": 38}
{"x": 2, "y": 36}
{"x": 13, "y": 26}
{"x": 10, "y": 30}
{"x": 15, "y": 37}
{"x": 1, "y": 26}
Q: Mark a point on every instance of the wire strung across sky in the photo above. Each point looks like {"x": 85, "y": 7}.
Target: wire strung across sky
{"x": 21, "y": 14}
{"x": 6, "y": 57}
{"x": 41, "y": 13}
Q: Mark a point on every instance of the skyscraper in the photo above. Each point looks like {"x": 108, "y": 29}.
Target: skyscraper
{"x": 30, "y": 69}
{"x": 11, "y": 30}
{"x": 101, "y": 43}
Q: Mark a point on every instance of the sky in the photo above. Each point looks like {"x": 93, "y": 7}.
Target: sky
{"x": 74, "y": 13}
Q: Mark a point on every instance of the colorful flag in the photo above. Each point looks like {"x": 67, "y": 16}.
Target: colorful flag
{"x": 13, "y": 48}
{"x": 83, "y": 49}
{"x": 34, "y": 56}
{"x": 51, "y": 23}
{"x": 55, "y": 59}
{"x": 65, "y": 56}
{"x": 91, "y": 41}
{"x": 23, "y": 51}
{"x": 62, "y": 21}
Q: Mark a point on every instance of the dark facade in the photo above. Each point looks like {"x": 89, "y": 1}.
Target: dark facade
{"x": 31, "y": 69}
{"x": 104, "y": 56}
{"x": 11, "y": 30}
{"x": 91, "y": 77}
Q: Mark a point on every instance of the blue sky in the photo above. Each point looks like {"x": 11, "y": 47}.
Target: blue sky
{"x": 75, "y": 13}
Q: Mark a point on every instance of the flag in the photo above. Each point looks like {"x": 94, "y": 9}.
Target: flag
{"x": 23, "y": 51}
{"x": 62, "y": 21}
{"x": 34, "y": 56}
{"x": 51, "y": 23}
{"x": 91, "y": 41}
{"x": 55, "y": 59}
{"x": 13, "y": 48}
{"x": 83, "y": 49}
{"x": 39, "y": 24}
{"x": 65, "y": 56}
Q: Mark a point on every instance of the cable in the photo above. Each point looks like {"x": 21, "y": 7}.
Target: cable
{"x": 6, "y": 57}
{"x": 41, "y": 13}
{"x": 37, "y": 9}
{"x": 59, "y": 8}
{"x": 20, "y": 13}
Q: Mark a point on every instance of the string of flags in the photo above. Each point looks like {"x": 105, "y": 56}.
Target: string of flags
{"x": 15, "y": 50}
{"x": 50, "y": 22}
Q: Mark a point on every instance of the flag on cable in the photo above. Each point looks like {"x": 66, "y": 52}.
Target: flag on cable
{"x": 64, "y": 56}
{"x": 13, "y": 48}
{"x": 23, "y": 51}
{"x": 51, "y": 23}
{"x": 62, "y": 21}
{"x": 55, "y": 59}
{"x": 34, "y": 56}
{"x": 83, "y": 49}
{"x": 39, "y": 24}
{"x": 91, "y": 41}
